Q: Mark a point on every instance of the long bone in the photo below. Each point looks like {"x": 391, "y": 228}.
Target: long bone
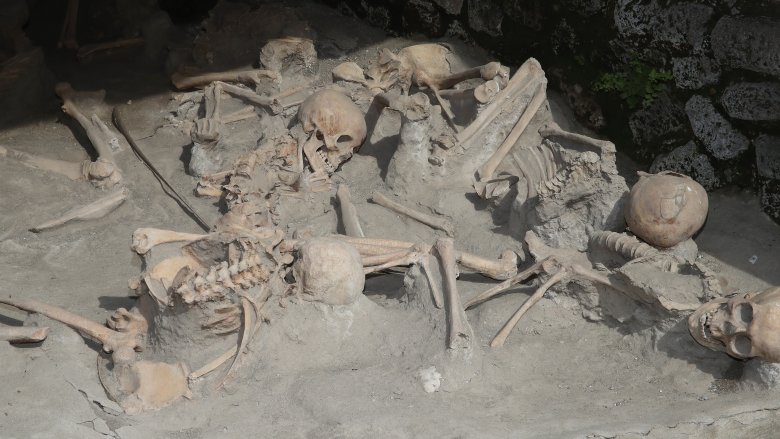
{"x": 486, "y": 72}
{"x": 519, "y": 82}
{"x": 272, "y": 103}
{"x": 502, "y": 269}
{"x": 146, "y": 238}
{"x": 68, "y": 32}
{"x": 71, "y": 170}
{"x": 102, "y": 138}
{"x": 553, "y": 130}
{"x": 348, "y": 212}
{"x": 248, "y": 77}
{"x": 23, "y": 334}
{"x": 121, "y": 344}
{"x": 91, "y": 49}
{"x": 97, "y": 209}
{"x": 486, "y": 171}
{"x": 429, "y": 220}
{"x": 459, "y": 332}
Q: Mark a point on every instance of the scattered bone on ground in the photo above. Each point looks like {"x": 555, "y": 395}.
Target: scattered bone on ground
{"x": 348, "y": 181}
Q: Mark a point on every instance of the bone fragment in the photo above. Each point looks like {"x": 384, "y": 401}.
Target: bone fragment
{"x": 91, "y": 49}
{"x": 94, "y": 210}
{"x": 349, "y": 71}
{"x": 71, "y": 170}
{"x": 348, "y": 212}
{"x": 23, "y": 334}
{"x": 146, "y": 238}
{"x": 438, "y": 296}
{"x": 489, "y": 167}
{"x": 500, "y": 338}
{"x": 516, "y": 85}
{"x": 429, "y": 220}
{"x": 501, "y": 269}
{"x": 121, "y": 343}
{"x": 459, "y": 333}
{"x": 269, "y": 102}
{"x": 486, "y": 72}
{"x": 239, "y": 115}
{"x": 248, "y": 77}
{"x": 499, "y": 288}
{"x": 553, "y": 130}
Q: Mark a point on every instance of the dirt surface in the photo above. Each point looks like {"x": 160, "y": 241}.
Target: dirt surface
{"x": 321, "y": 373}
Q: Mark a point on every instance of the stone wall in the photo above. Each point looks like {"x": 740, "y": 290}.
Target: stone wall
{"x": 692, "y": 86}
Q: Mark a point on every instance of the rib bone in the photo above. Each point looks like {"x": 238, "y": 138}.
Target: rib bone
{"x": 248, "y": 77}
{"x": 459, "y": 333}
{"x": 500, "y": 338}
{"x": 348, "y": 212}
{"x": 429, "y": 220}
{"x": 489, "y": 167}
{"x": 94, "y": 210}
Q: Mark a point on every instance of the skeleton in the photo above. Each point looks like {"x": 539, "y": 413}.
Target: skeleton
{"x": 23, "y": 334}
{"x": 744, "y": 326}
{"x": 103, "y": 173}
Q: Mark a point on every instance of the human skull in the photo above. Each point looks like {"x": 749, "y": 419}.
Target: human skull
{"x": 336, "y": 127}
{"x": 329, "y": 271}
{"x": 745, "y": 326}
{"x": 667, "y": 208}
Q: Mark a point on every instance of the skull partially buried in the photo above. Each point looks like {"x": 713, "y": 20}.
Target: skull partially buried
{"x": 336, "y": 128}
{"x": 745, "y": 326}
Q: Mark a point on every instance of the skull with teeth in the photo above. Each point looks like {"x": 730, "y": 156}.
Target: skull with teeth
{"x": 745, "y": 326}
{"x": 336, "y": 128}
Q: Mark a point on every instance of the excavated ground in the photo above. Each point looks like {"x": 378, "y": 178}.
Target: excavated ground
{"x": 558, "y": 376}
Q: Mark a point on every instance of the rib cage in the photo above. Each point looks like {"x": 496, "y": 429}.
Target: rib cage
{"x": 583, "y": 166}
{"x": 539, "y": 164}
{"x": 625, "y": 245}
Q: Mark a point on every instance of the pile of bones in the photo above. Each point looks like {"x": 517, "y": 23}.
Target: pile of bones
{"x": 480, "y": 130}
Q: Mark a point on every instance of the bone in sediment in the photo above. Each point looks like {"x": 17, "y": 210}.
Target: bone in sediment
{"x": 94, "y": 210}
{"x": 348, "y": 212}
{"x": 429, "y": 220}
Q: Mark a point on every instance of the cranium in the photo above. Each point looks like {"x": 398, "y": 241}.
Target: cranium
{"x": 667, "y": 208}
{"x": 336, "y": 128}
{"x": 745, "y": 326}
{"x": 329, "y": 271}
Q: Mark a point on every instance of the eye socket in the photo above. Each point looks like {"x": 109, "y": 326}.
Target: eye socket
{"x": 344, "y": 138}
{"x": 744, "y": 312}
{"x": 741, "y": 345}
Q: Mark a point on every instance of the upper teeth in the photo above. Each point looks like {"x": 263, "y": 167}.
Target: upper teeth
{"x": 328, "y": 166}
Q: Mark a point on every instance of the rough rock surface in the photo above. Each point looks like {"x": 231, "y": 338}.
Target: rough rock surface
{"x": 750, "y": 43}
{"x": 686, "y": 159}
{"x": 768, "y": 155}
{"x": 662, "y": 120}
{"x": 695, "y": 72}
{"x": 713, "y": 130}
{"x": 753, "y": 101}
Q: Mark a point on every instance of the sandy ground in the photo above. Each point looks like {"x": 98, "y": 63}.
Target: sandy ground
{"x": 558, "y": 376}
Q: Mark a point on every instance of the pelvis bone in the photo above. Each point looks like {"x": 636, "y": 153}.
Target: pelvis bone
{"x": 336, "y": 128}
{"x": 746, "y": 326}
